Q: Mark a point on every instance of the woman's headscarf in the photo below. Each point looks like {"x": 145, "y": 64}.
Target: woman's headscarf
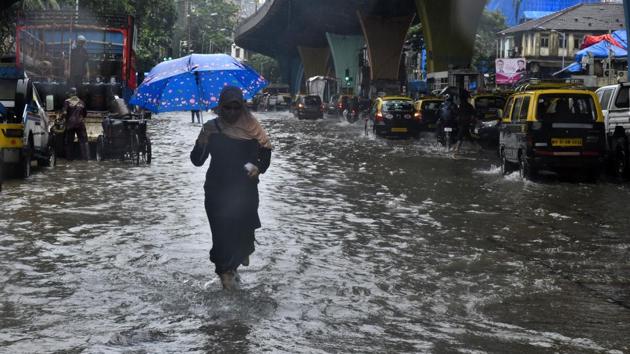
{"x": 246, "y": 126}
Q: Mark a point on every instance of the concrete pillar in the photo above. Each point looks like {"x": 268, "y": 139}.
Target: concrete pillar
{"x": 450, "y": 28}
{"x": 385, "y": 37}
{"x": 345, "y": 52}
{"x": 292, "y": 71}
{"x": 315, "y": 61}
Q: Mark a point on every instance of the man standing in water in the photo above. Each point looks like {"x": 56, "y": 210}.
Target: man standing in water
{"x": 241, "y": 151}
{"x": 75, "y": 112}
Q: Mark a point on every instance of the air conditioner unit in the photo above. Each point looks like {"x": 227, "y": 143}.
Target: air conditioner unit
{"x": 622, "y": 76}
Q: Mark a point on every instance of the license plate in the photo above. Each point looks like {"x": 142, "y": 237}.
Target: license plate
{"x": 566, "y": 142}
{"x": 447, "y": 129}
{"x": 399, "y": 130}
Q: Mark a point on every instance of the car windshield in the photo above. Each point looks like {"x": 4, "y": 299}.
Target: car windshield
{"x": 484, "y": 104}
{"x": 392, "y": 106}
{"x": 312, "y": 100}
{"x": 566, "y": 107}
{"x": 431, "y": 105}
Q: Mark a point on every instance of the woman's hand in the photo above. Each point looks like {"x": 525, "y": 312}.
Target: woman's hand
{"x": 252, "y": 170}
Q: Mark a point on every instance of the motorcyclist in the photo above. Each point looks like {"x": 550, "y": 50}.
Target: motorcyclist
{"x": 465, "y": 121}
{"x": 352, "y": 112}
{"x": 448, "y": 116}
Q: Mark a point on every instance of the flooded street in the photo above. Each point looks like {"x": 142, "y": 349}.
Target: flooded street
{"x": 367, "y": 245}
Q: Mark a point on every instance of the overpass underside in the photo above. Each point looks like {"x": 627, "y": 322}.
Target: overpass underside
{"x": 328, "y": 37}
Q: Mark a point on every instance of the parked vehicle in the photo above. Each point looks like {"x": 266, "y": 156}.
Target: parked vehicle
{"x": 44, "y": 42}
{"x": 615, "y": 104}
{"x": 394, "y": 116}
{"x": 556, "y": 129}
{"x": 25, "y": 128}
{"x": 429, "y": 109}
{"x": 309, "y": 107}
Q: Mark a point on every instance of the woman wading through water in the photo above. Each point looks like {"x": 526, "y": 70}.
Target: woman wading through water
{"x": 240, "y": 151}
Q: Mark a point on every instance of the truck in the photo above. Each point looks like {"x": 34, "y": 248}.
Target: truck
{"x": 615, "y": 101}
{"x": 26, "y": 132}
{"x": 44, "y": 45}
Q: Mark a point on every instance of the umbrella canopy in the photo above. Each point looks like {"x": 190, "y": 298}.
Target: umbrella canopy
{"x": 194, "y": 82}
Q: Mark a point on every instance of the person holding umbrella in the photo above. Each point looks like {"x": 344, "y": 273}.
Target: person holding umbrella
{"x": 241, "y": 150}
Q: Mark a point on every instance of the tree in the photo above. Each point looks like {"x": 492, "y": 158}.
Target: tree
{"x": 209, "y": 26}
{"x": 490, "y": 24}
{"x": 266, "y": 66}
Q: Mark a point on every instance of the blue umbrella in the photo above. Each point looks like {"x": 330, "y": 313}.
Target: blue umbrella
{"x": 194, "y": 82}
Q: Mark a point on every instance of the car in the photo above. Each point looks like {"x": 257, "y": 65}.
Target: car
{"x": 283, "y": 102}
{"x": 25, "y": 128}
{"x": 309, "y": 107}
{"x": 394, "y": 116}
{"x": 552, "y": 129}
{"x": 615, "y": 103}
{"x": 429, "y": 109}
{"x": 487, "y": 107}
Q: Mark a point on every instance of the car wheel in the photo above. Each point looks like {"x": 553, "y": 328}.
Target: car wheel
{"x": 526, "y": 170}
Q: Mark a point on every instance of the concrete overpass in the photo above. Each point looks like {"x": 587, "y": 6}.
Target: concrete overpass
{"x": 317, "y": 39}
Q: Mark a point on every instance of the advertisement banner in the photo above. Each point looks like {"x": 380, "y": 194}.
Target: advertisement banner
{"x": 509, "y": 71}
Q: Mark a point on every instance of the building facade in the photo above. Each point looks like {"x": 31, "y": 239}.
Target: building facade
{"x": 550, "y": 43}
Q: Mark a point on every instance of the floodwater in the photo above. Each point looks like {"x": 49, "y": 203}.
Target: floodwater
{"x": 367, "y": 245}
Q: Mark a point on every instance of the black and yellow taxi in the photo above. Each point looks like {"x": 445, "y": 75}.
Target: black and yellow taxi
{"x": 394, "y": 116}
{"x": 552, "y": 129}
{"x": 428, "y": 109}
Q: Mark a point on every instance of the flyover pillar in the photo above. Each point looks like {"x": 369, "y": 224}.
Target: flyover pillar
{"x": 293, "y": 71}
{"x": 385, "y": 38}
{"x": 345, "y": 52}
{"x": 315, "y": 61}
{"x": 450, "y": 28}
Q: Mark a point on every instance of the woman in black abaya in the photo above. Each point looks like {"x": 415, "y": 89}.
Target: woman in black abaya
{"x": 240, "y": 151}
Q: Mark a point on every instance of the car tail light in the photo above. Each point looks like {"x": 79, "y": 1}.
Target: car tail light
{"x": 379, "y": 117}
{"x": 417, "y": 116}
{"x": 300, "y": 105}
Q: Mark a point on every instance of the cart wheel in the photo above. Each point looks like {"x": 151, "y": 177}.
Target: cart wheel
{"x": 100, "y": 148}
{"x": 135, "y": 149}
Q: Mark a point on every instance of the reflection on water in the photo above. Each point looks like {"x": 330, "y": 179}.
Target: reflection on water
{"x": 367, "y": 245}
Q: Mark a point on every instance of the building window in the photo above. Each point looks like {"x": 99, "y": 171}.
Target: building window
{"x": 577, "y": 42}
{"x": 238, "y": 52}
{"x": 544, "y": 41}
{"x": 562, "y": 39}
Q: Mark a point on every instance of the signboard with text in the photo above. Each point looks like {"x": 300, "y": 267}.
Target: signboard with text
{"x": 509, "y": 70}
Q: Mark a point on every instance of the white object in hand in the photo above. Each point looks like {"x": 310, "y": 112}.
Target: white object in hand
{"x": 249, "y": 167}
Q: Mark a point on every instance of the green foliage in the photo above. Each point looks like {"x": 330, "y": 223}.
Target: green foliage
{"x": 208, "y": 28}
{"x": 490, "y": 24}
{"x": 266, "y": 66}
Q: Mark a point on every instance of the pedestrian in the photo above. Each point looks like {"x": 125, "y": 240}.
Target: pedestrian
{"x": 74, "y": 112}
{"x": 240, "y": 151}
{"x": 79, "y": 67}
{"x": 193, "y": 113}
